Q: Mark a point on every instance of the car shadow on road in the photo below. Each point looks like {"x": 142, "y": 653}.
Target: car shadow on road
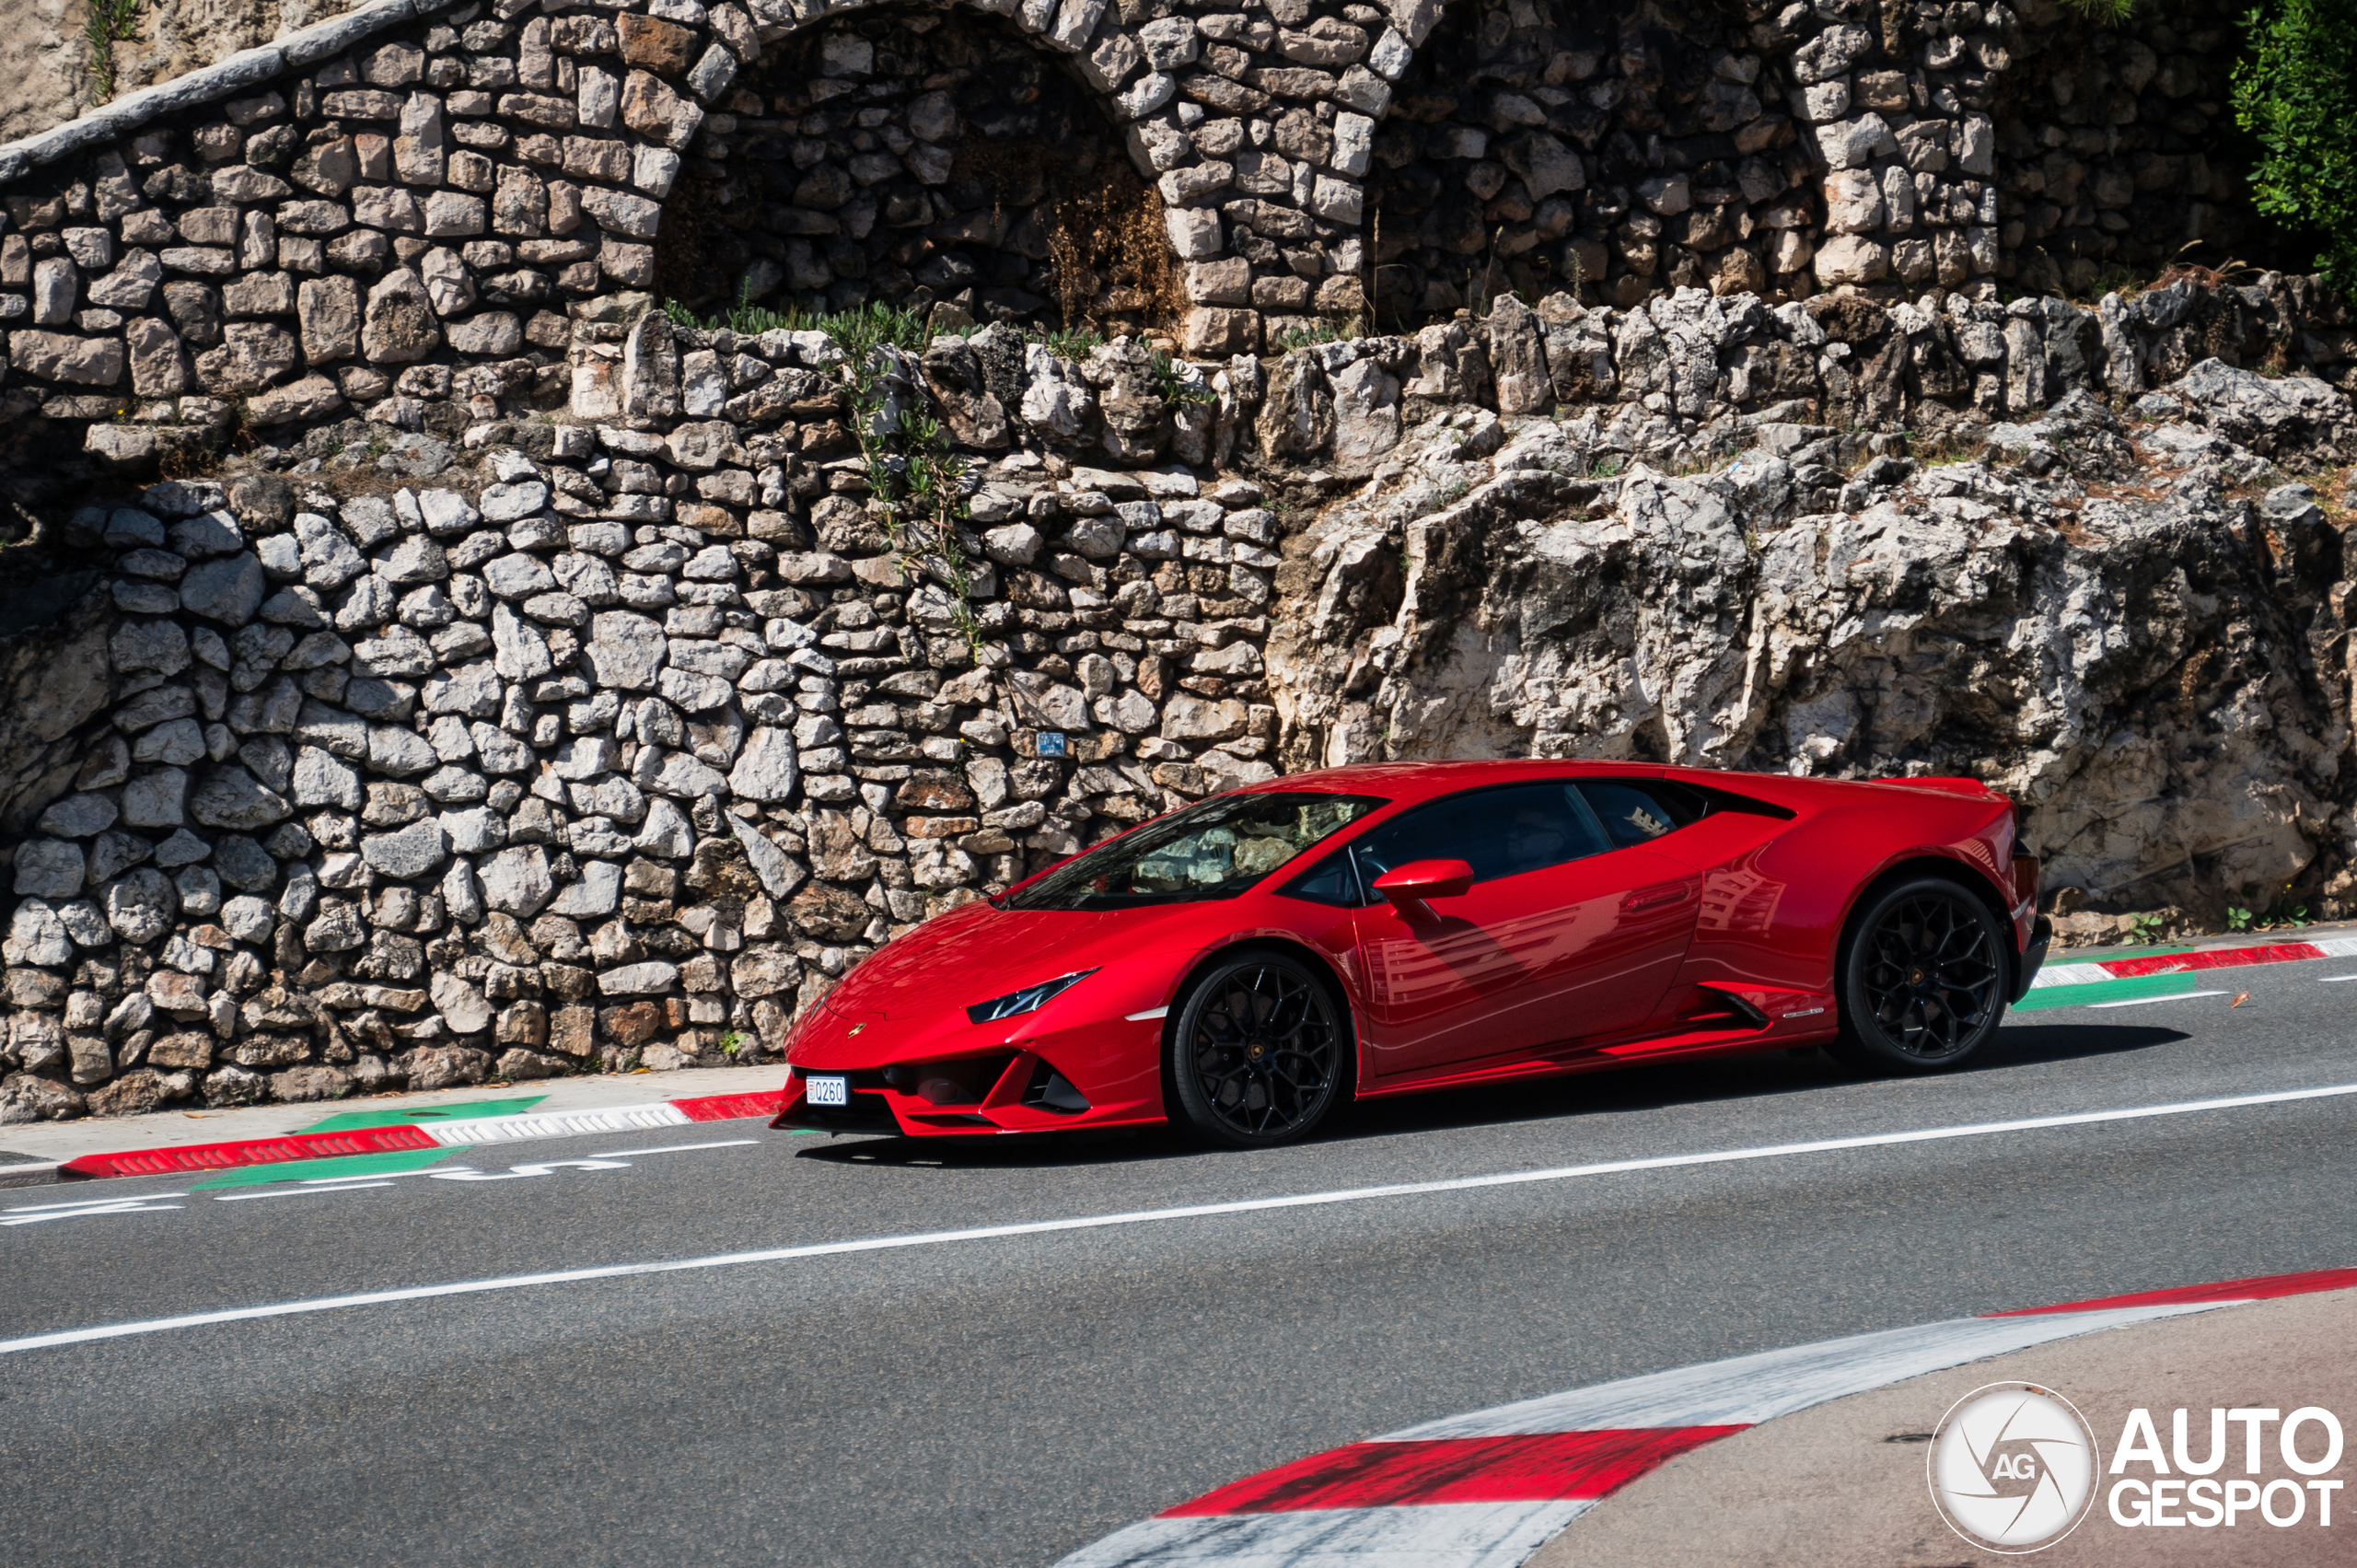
{"x": 1708, "y": 1081}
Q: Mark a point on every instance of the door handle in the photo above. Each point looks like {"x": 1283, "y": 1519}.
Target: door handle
{"x": 1658, "y": 896}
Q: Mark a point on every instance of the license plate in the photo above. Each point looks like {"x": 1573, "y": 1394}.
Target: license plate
{"x": 827, "y": 1088}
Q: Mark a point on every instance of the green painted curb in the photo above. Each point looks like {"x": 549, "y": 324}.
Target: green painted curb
{"x": 350, "y": 1120}
{"x": 2127, "y": 990}
{"x": 344, "y": 1165}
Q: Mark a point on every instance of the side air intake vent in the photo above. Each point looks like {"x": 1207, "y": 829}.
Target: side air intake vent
{"x": 1050, "y": 1090}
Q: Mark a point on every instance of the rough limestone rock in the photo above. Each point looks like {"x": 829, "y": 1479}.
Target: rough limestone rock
{"x": 2102, "y": 657}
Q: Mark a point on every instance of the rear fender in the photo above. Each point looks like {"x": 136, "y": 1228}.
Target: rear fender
{"x": 1937, "y": 860}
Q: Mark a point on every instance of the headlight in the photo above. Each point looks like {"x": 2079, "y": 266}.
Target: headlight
{"x": 1026, "y": 1000}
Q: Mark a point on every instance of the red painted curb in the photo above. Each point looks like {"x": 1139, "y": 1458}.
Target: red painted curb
{"x": 359, "y": 1141}
{"x": 2213, "y": 958}
{"x": 250, "y": 1151}
{"x": 730, "y": 1108}
{"x": 2262, "y": 1287}
{"x": 1537, "y": 1468}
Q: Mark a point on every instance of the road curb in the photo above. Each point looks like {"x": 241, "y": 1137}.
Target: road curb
{"x": 185, "y": 1157}
{"x": 1487, "y": 1488}
{"x": 2088, "y": 971}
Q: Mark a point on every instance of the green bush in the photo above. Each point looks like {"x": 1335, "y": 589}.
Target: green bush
{"x": 2296, "y": 91}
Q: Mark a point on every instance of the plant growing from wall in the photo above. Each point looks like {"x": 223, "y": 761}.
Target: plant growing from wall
{"x": 911, "y": 471}
{"x": 110, "y": 22}
{"x": 1172, "y": 390}
{"x": 2296, "y": 91}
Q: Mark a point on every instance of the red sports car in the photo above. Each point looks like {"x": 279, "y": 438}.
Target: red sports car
{"x": 1244, "y": 964}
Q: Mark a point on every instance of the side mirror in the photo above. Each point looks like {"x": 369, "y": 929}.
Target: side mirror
{"x": 1407, "y": 886}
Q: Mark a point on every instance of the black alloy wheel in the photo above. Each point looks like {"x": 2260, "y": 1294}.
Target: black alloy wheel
{"x": 1923, "y": 979}
{"x": 1259, "y": 1049}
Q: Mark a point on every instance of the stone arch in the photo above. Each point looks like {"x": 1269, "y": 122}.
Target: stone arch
{"x": 935, "y": 157}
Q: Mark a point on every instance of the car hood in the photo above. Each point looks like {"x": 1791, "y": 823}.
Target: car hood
{"x": 978, "y": 952}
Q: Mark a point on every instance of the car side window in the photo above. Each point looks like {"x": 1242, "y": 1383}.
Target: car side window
{"x": 1330, "y": 881}
{"x": 1498, "y": 832}
{"x": 1635, "y": 811}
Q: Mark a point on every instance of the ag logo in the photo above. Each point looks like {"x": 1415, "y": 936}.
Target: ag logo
{"x": 2012, "y": 1468}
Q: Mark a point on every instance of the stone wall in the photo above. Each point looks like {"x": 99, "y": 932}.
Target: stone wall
{"x": 933, "y": 158}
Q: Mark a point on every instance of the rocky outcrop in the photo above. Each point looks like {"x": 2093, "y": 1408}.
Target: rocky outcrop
{"x": 2135, "y": 626}
{"x": 46, "y": 75}
{"x": 1950, "y": 361}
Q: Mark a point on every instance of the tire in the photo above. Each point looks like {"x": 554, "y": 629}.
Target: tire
{"x": 1921, "y": 980}
{"x": 1258, "y": 1051}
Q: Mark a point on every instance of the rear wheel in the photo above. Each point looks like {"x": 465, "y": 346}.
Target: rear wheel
{"x": 1923, "y": 979}
{"x": 1259, "y": 1053}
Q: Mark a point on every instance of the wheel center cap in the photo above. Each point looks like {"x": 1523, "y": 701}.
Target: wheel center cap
{"x": 1916, "y": 978}
{"x": 1254, "y": 1051}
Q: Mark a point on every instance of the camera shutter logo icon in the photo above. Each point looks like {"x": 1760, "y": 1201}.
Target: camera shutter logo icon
{"x": 2012, "y": 1468}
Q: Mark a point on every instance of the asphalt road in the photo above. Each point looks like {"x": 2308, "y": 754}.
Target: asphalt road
{"x": 1001, "y": 1401}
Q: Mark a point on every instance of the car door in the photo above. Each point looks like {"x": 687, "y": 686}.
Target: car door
{"x": 1562, "y": 935}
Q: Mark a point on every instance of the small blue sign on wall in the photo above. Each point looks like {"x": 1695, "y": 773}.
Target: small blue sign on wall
{"x": 1052, "y": 743}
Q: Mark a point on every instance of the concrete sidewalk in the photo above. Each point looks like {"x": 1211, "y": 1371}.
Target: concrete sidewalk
{"x": 48, "y": 1143}
{"x": 1842, "y": 1485}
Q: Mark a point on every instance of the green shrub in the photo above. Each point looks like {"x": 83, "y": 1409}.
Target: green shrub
{"x": 2296, "y": 91}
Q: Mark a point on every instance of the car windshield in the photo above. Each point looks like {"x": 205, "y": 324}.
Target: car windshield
{"x": 1215, "y": 850}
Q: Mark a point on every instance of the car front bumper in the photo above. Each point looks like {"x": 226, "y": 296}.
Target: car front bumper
{"x": 958, "y": 1080}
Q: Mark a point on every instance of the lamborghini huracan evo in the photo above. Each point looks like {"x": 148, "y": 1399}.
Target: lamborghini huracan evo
{"x": 1241, "y": 966}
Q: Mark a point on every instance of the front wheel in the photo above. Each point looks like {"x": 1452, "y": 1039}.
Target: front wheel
{"x": 1259, "y": 1053}
{"x": 1923, "y": 979}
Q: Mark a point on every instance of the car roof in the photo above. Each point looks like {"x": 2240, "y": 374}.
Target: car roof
{"x": 1407, "y": 783}
{"x": 1402, "y": 782}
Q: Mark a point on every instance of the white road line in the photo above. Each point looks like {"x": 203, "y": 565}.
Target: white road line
{"x": 1189, "y": 1212}
{"x": 92, "y": 1202}
{"x": 679, "y": 1148}
{"x": 121, "y": 1206}
{"x": 297, "y": 1191}
{"x": 2147, "y": 1001}
{"x": 2334, "y": 979}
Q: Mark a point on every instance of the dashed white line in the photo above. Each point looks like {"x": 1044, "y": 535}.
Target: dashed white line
{"x": 2148, "y": 1001}
{"x": 303, "y": 1190}
{"x": 1189, "y": 1212}
{"x": 95, "y": 1210}
{"x": 92, "y": 1202}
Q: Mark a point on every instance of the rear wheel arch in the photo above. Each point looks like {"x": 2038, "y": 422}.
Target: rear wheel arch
{"x": 1908, "y": 870}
